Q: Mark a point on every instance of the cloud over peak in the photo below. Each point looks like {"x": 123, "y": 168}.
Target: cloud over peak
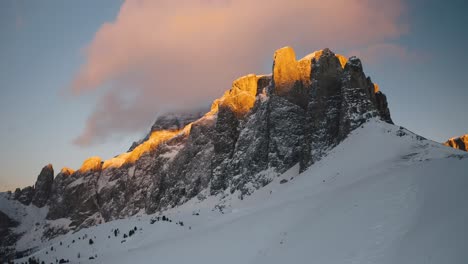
{"x": 160, "y": 55}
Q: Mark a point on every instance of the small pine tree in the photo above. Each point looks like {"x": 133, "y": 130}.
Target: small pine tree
{"x": 91, "y": 241}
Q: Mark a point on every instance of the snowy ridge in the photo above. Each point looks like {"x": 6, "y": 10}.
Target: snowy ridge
{"x": 383, "y": 195}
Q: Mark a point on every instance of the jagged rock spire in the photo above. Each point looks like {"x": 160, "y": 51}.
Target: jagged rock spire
{"x": 43, "y": 186}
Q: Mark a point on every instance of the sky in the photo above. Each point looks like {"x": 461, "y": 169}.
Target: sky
{"x": 86, "y": 78}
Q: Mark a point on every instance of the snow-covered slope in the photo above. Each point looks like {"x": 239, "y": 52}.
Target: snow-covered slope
{"x": 384, "y": 195}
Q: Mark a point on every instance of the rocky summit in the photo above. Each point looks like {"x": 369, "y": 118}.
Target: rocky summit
{"x": 260, "y": 128}
{"x": 460, "y": 143}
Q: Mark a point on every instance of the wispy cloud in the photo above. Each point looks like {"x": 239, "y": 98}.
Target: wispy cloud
{"x": 167, "y": 54}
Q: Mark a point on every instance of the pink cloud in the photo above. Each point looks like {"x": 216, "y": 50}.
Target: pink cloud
{"x": 167, "y": 54}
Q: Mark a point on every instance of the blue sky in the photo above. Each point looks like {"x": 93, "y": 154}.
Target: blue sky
{"x": 43, "y": 48}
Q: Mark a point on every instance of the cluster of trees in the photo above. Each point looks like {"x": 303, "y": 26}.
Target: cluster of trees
{"x": 116, "y": 233}
{"x": 131, "y": 232}
{"x": 160, "y": 218}
{"x": 165, "y": 218}
{"x": 33, "y": 260}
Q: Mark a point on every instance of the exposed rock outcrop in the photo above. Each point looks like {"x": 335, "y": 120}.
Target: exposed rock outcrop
{"x": 458, "y": 142}
{"x": 24, "y": 195}
{"x": 43, "y": 186}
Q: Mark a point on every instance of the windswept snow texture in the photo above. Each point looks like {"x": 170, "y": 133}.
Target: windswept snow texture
{"x": 384, "y": 195}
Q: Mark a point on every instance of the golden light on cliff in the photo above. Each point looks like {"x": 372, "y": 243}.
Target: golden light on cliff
{"x": 66, "y": 170}
{"x": 214, "y": 108}
{"x": 155, "y": 139}
{"x": 91, "y": 164}
{"x": 376, "y": 88}
{"x": 458, "y": 142}
{"x": 343, "y": 60}
{"x": 287, "y": 70}
{"x": 240, "y": 98}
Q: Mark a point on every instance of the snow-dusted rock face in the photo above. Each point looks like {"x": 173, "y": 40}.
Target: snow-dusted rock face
{"x": 8, "y": 238}
{"x": 458, "y": 142}
{"x": 260, "y": 128}
{"x": 24, "y": 195}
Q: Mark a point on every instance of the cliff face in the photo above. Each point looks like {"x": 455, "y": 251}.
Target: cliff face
{"x": 258, "y": 129}
{"x": 458, "y": 142}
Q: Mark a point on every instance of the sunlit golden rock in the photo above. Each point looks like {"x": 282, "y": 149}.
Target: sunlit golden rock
{"x": 458, "y": 142}
{"x": 240, "y": 98}
{"x": 287, "y": 70}
{"x": 155, "y": 139}
{"x": 343, "y": 60}
{"x": 376, "y": 88}
{"x": 67, "y": 171}
{"x": 91, "y": 164}
{"x": 214, "y": 108}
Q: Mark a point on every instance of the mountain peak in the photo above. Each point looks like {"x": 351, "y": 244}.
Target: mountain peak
{"x": 43, "y": 186}
{"x": 458, "y": 142}
{"x": 258, "y": 129}
{"x": 290, "y": 78}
